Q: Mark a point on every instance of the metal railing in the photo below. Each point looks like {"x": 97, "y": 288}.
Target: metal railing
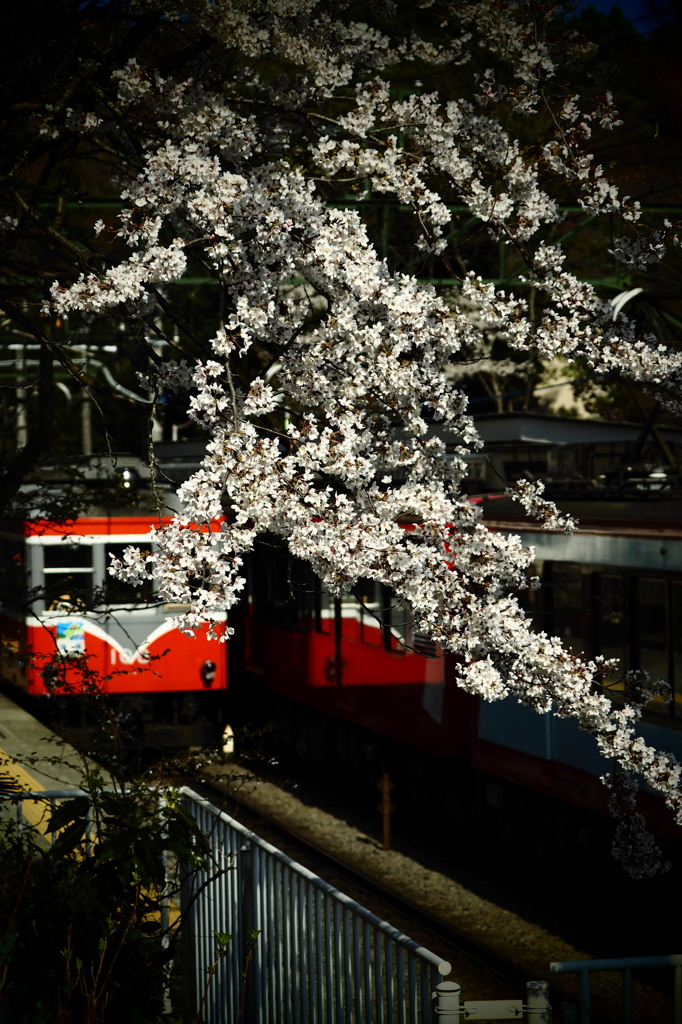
{"x": 300, "y": 951}
{"x": 34, "y": 808}
{"x": 266, "y": 941}
{"x": 624, "y": 966}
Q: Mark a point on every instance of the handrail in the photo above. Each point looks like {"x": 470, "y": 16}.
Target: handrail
{"x": 624, "y": 965}
{"x": 441, "y": 965}
{"x": 42, "y": 794}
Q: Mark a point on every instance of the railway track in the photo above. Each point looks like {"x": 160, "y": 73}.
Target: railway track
{"x": 482, "y": 969}
{"x": 479, "y": 969}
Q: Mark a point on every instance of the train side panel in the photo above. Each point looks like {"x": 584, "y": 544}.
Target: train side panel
{"x": 613, "y": 588}
{"x": 336, "y": 659}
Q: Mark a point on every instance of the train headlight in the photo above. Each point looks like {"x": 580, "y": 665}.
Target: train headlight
{"x": 129, "y": 479}
{"x": 207, "y": 672}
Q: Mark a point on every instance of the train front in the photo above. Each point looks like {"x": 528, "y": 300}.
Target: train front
{"x": 75, "y": 639}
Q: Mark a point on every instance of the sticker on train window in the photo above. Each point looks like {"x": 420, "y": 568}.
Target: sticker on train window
{"x": 71, "y": 637}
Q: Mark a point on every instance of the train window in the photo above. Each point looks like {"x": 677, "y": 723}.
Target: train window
{"x": 658, "y": 638}
{"x": 272, "y": 595}
{"x": 324, "y": 609}
{"x": 361, "y": 613}
{"x": 676, "y": 645}
{"x": 609, "y": 617}
{"x": 399, "y": 634}
{"x": 119, "y": 592}
{"x": 364, "y": 613}
{"x": 565, "y": 603}
{"x": 72, "y": 557}
{"x": 305, "y": 586}
{"x": 373, "y": 615}
{"x": 285, "y": 590}
{"x": 68, "y": 573}
{"x": 369, "y": 594}
{"x": 651, "y": 626}
{"x": 349, "y": 610}
{"x": 619, "y": 614}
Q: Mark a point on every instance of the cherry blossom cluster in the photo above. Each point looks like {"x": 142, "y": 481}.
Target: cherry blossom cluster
{"x": 529, "y": 494}
{"x": 647, "y": 248}
{"x": 632, "y": 845}
{"x": 329, "y": 401}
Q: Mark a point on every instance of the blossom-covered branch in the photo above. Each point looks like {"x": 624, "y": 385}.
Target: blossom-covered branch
{"x": 332, "y": 414}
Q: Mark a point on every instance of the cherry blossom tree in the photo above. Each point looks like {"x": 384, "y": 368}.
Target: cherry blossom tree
{"x": 325, "y": 385}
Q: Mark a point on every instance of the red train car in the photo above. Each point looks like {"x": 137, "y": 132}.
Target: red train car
{"x": 356, "y": 662}
{"x": 69, "y": 628}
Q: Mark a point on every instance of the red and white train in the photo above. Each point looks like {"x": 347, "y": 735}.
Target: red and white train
{"x": 70, "y": 629}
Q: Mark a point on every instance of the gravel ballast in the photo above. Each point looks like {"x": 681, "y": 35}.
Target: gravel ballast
{"x": 521, "y": 941}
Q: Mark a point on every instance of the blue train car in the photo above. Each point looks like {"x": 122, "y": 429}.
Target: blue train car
{"x": 612, "y": 588}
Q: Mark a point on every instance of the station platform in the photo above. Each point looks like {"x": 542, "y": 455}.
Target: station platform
{"x": 33, "y": 755}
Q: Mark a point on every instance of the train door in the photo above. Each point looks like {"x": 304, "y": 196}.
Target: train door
{"x": 131, "y": 620}
{"x": 61, "y": 581}
{"x": 13, "y": 597}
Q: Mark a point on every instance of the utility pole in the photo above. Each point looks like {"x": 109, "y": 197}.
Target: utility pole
{"x": 22, "y": 398}
{"x": 386, "y": 807}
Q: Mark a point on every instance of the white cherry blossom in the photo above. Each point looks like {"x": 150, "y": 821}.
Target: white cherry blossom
{"x": 328, "y": 399}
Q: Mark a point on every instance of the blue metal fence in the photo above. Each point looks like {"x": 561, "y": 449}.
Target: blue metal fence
{"x": 33, "y": 808}
{"x": 300, "y": 951}
{"x": 624, "y": 966}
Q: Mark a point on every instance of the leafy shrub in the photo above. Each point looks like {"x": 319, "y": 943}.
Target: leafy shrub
{"x": 85, "y": 938}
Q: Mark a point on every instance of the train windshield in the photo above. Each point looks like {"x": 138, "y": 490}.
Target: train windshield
{"x": 73, "y": 576}
{"x": 69, "y": 576}
{"x": 119, "y": 592}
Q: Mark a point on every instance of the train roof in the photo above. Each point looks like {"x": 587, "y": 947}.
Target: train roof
{"x": 512, "y": 428}
{"x": 659, "y": 514}
{"x": 102, "y": 486}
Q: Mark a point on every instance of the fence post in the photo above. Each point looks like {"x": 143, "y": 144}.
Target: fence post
{"x": 447, "y": 1002}
{"x": 190, "y": 978}
{"x": 538, "y": 1009}
{"x": 247, "y": 924}
{"x": 584, "y": 998}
